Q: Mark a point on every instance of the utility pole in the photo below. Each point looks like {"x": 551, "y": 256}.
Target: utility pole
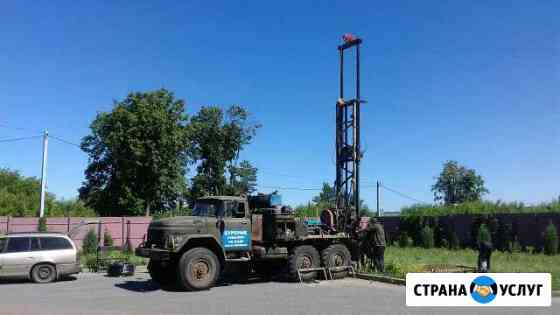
{"x": 44, "y": 172}
{"x": 378, "y": 212}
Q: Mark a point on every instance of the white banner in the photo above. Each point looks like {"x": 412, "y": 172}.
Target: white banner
{"x": 478, "y": 289}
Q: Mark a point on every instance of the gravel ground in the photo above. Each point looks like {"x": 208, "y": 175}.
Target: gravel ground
{"x": 97, "y": 294}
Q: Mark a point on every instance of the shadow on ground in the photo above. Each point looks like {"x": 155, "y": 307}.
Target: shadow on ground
{"x": 26, "y": 281}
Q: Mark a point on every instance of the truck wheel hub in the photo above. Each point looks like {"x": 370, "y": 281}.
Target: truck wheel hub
{"x": 306, "y": 262}
{"x": 200, "y": 270}
{"x": 338, "y": 260}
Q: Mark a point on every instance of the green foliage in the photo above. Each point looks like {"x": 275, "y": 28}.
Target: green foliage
{"x": 89, "y": 245}
{"x": 242, "y": 179}
{"x": 454, "y": 242}
{"x": 107, "y": 239}
{"x": 137, "y": 155}
{"x": 405, "y": 240}
{"x": 20, "y": 197}
{"x": 42, "y": 226}
{"x": 427, "y": 237}
{"x": 326, "y": 198}
{"x": 483, "y": 234}
{"x": 457, "y": 184}
{"x": 309, "y": 210}
{"x": 551, "y": 240}
{"x": 217, "y": 137}
{"x": 480, "y": 207}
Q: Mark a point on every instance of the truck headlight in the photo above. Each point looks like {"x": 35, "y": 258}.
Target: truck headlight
{"x": 172, "y": 240}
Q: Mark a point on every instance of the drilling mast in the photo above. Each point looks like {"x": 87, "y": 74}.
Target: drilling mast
{"x": 348, "y": 153}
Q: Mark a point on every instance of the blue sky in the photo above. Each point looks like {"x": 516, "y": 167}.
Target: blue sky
{"x": 472, "y": 81}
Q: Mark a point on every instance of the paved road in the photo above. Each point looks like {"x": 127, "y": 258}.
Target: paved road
{"x": 97, "y": 294}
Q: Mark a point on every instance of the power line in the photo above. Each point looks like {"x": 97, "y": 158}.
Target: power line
{"x": 20, "y": 138}
{"x": 289, "y": 188}
{"x": 65, "y": 141}
{"x": 18, "y": 128}
{"x": 401, "y": 194}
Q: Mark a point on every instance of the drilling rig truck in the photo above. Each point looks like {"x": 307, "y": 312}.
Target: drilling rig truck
{"x": 193, "y": 251}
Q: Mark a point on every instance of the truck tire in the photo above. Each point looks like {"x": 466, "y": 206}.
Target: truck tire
{"x": 302, "y": 257}
{"x": 160, "y": 274}
{"x": 336, "y": 255}
{"x": 198, "y": 269}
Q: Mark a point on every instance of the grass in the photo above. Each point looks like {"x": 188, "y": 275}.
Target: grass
{"x": 89, "y": 261}
{"x": 399, "y": 261}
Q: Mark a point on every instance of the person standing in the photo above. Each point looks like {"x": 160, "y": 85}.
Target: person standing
{"x": 376, "y": 240}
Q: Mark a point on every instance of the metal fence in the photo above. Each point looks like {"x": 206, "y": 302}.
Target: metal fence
{"x": 121, "y": 229}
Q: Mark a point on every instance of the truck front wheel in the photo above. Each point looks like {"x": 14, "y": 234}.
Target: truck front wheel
{"x": 303, "y": 257}
{"x": 198, "y": 269}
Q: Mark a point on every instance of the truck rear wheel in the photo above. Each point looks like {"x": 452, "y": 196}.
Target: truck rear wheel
{"x": 198, "y": 269}
{"x": 160, "y": 274}
{"x": 336, "y": 255}
{"x": 303, "y": 257}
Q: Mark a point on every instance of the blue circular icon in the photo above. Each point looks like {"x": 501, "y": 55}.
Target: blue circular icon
{"x": 484, "y": 289}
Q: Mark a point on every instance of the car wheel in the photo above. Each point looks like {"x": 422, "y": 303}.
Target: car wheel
{"x": 43, "y": 273}
{"x": 198, "y": 269}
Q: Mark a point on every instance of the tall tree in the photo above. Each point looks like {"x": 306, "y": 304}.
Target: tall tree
{"x": 217, "y": 138}
{"x": 457, "y": 184}
{"x": 137, "y": 155}
{"x": 243, "y": 179}
{"x": 327, "y": 197}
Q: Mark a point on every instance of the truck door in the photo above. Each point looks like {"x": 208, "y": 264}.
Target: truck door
{"x": 237, "y": 227}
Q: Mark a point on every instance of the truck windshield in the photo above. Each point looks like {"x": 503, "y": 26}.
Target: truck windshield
{"x": 3, "y": 242}
{"x": 208, "y": 208}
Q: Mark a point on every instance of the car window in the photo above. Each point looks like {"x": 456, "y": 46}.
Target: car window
{"x": 35, "y": 244}
{"x": 235, "y": 209}
{"x": 3, "y": 242}
{"x": 51, "y": 243}
{"x": 18, "y": 244}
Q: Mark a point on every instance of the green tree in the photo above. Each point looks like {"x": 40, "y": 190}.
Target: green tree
{"x": 20, "y": 196}
{"x": 550, "y": 239}
{"x": 138, "y": 154}
{"x": 243, "y": 179}
{"x": 107, "y": 239}
{"x": 427, "y": 237}
{"x": 326, "y": 198}
{"x": 457, "y": 184}
{"x": 89, "y": 245}
{"x": 217, "y": 138}
{"x": 484, "y": 234}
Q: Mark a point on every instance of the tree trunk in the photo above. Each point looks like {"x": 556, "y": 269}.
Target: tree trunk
{"x": 147, "y": 208}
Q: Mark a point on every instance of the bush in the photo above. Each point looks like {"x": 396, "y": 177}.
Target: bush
{"x": 107, "y": 239}
{"x": 483, "y": 234}
{"x": 403, "y": 239}
{"x": 454, "y": 242}
{"x": 42, "y": 227}
{"x": 550, "y": 240}
{"x": 427, "y": 237}
{"x": 89, "y": 245}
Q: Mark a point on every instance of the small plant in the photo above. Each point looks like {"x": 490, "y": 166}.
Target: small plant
{"x": 550, "y": 239}
{"x": 42, "y": 227}
{"x": 454, "y": 242}
{"x": 107, "y": 239}
{"x": 427, "y": 237}
{"x": 483, "y": 234}
{"x": 89, "y": 245}
{"x": 403, "y": 240}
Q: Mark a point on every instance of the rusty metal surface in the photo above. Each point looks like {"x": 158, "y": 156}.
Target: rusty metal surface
{"x": 257, "y": 227}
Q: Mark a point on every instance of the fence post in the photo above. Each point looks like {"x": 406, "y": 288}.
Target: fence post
{"x": 68, "y": 225}
{"x": 122, "y": 232}
{"x": 8, "y": 224}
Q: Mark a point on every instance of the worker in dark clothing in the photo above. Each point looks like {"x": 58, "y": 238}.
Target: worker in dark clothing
{"x": 376, "y": 240}
{"x": 484, "y": 252}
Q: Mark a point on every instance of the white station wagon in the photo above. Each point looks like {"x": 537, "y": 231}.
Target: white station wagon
{"x": 41, "y": 257}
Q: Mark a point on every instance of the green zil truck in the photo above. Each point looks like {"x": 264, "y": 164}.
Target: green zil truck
{"x": 193, "y": 251}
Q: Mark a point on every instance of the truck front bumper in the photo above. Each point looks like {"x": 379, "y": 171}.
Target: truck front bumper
{"x": 153, "y": 253}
